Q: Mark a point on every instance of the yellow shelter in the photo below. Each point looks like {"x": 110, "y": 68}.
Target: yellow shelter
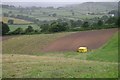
{"x": 82, "y": 49}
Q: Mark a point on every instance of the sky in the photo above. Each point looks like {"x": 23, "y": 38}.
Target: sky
{"x": 46, "y": 3}
{"x": 59, "y": 0}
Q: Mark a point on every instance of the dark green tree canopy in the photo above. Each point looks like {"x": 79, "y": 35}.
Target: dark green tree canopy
{"x": 58, "y": 27}
{"x": 5, "y": 28}
{"x": 18, "y": 31}
{"x": 100, "y": 23}
{"x": 85, "y": 24}
{"x": 10, "y": 21}
{"x": 44, "y": 27}
{"x": 29, "y": 29}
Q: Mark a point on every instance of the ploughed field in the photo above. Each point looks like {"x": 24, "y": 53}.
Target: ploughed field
{"x": 91, "y": 39}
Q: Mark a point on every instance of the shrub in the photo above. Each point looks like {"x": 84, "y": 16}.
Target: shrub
{"x": 5, "y": 28}
{"x": 29, "y": 29}
{"x": 85, "y": 24}
{"x": 100, "y": 23}
{"x": 58, "y": 27}
{"x": 18, "y": 31}
{"x": 10, "y": 21}
{"x": 44, "y": 28}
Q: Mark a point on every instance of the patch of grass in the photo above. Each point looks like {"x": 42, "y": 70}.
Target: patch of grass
{"x": 24, "y": 26}
{"x": 67, "y": 54}
{"x": 16, "y": 21}
{"x": 109, "y": 52}
{"x": 27, "y": 66}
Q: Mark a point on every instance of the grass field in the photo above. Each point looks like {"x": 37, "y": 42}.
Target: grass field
{"x": 43, "y": 14}
{"x": 108, "y": 52}
{"x": 55, "y": 67}
{"x": 16, "y": 21}
{"x": 101, "y": 63}
{"x": 24, "y": 26}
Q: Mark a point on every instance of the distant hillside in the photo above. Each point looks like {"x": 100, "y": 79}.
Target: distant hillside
{"x": 95, "y": 6}
{"x": 16, "y": 21}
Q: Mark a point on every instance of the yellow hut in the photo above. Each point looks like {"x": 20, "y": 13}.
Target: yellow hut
{"x": 82, "y": 49}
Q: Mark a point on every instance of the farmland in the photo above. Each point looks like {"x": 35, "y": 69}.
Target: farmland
{"x": 42, "y": 42}
{"x": 28, "y": 61}
{"x": 23, "y": 26}
{"x": 19, "y": 23}
{"x": 16, "y": 21}
{"x": 35, "y": 16}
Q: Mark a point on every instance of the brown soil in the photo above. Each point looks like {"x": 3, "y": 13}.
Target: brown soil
{"x": 91, "y": 39}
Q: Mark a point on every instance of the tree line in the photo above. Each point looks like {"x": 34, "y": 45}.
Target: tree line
{"x": 65, "y": 25}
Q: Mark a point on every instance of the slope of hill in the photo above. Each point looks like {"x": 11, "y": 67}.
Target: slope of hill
{"x": 95, "y": 6}
{"x": 109, "y": 52}
{"x": 16, "y": 21}
{"x": 59, "y": 65}
{"x": 80, "y": 10}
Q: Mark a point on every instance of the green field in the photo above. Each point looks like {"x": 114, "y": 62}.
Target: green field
{"x": 108, "y": 52}
{"x": 24, "y": 26}
{"x": 43, "y": 14}
{"x": 22, "y": 57}
{"x": 16, "y": 21}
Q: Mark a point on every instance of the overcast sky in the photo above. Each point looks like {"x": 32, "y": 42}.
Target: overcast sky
{"x": 46, "y": 3}
{"x": 59, "y": 0}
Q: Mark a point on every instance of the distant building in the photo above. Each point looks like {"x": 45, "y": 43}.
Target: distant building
{"x": 112, "y": 15}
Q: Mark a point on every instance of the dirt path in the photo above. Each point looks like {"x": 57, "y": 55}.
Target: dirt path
{"x": 91, "y": 39}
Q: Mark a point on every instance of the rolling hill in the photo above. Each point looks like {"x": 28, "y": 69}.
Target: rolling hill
{"x": 98, "y": 8}
{"x": 16, "y": 21}
{"x": 95, "y": 6}
{"x": 18, "y": 64}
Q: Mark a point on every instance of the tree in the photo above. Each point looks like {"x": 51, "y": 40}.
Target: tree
{"x": 10, "y": 12}
{"x": 100, "y": 23}
{"x": 29, "y": 29}
{"x": 54, "y": 27}
{"x": 72, "y": 23}
{"x": 54, "y": 15}
{"x": 111, "y": 20}
{"x": 117, "y": 23}
{"x": 0, "y": 28}
{"x": 18, "y": 31}
{"x": 63, "y": 26}
{"x": 44, "y": 27}
{"x": 73, "y": 13}
{"x": 5, "y": 14}
{"x": 58, "y": 27}
{"x": 5, "y": 28}
{"x": 105, "y": 18}
{"x": 78, "y": 23}
{"x": 10, "y": 21}
{"x": 85, "y": 24}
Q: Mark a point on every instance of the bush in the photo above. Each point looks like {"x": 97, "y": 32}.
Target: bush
{"x": 18, "y": 31}
{"x": 5, "y": 28}
{"x": 58, "y": 27}
{"x": 44, "y": 28}
{"x": 117, "y": 23}
{"x": 111, "y": 20}
{"x": 29, "y": 29}
{"x": 85, "y": 24}
{"x": 100, "y": 23}
{"x": 10, "y": 21}
{"x": 54, "y": 27}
